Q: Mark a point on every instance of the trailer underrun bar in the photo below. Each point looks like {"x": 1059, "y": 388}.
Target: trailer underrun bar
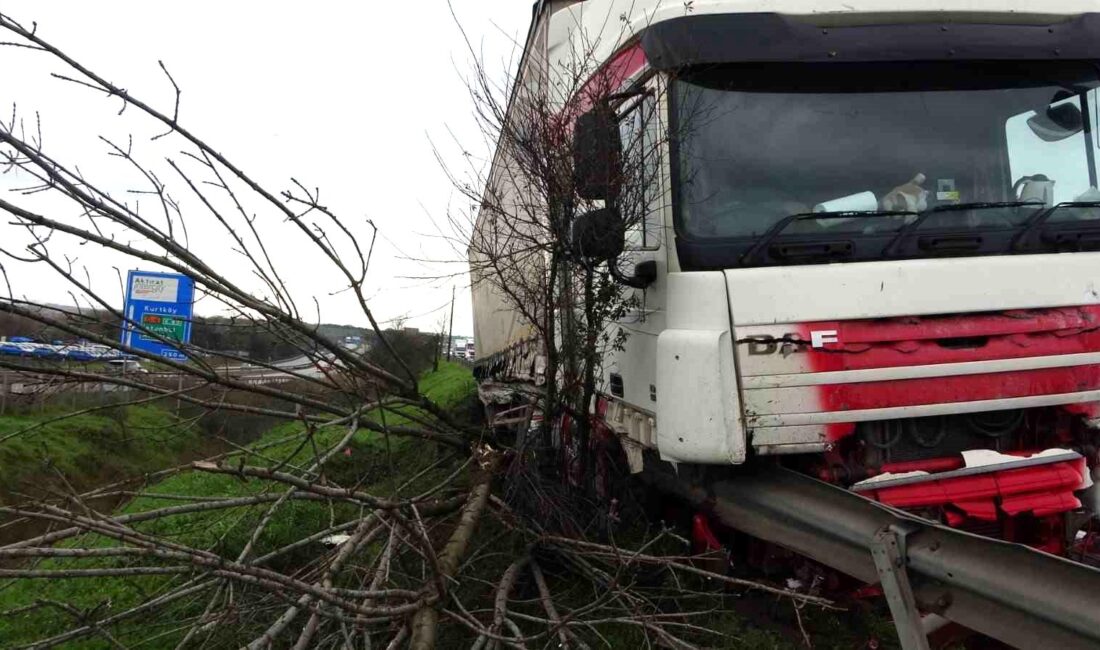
{"x": 1020, "y": 596}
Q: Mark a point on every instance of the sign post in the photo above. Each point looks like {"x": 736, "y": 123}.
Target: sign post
{"x": 160, "y": 304}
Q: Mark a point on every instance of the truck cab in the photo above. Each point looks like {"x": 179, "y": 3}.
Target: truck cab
{"x": 870, "y": 240}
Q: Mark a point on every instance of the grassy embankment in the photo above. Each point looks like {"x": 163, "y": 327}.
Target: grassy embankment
{"x": 37, "y": 449}
{"x": 226, "y": 531}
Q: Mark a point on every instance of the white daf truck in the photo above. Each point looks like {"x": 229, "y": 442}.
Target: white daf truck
{"x": 876, "y": 253}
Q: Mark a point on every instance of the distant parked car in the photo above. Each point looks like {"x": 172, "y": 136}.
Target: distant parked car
{"x": 125, "y": 366}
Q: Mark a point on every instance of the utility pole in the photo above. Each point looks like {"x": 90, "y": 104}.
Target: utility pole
{"x": 451, "y": 326}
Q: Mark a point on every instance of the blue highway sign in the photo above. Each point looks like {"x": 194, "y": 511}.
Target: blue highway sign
{"x": 162, "y": 304}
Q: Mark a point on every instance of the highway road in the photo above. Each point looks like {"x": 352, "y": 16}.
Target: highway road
{"x": 31, "y": 383}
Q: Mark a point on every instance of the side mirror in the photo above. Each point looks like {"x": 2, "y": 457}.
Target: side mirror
{"x": 597, "y": 154}
{"x": 599, "y": 235}
{"x": 1057, "y": 121}
{"x": 645, "y": 273}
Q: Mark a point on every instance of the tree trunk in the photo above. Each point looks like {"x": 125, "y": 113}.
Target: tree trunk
{"x": 589, "y": 360}
{"x": 426, "y": 620}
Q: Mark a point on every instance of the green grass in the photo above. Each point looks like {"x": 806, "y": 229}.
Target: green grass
{"x": 87, "y": 449}
{"x": 227, "y": 531}
{"x": 449, "y": 385}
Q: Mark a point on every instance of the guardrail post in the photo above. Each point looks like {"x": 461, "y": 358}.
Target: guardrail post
{"x": 888, "y": 551}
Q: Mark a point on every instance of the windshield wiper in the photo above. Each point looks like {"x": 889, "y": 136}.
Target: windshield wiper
{"x": 953, "y": 207}
{"x": 1043, "y": 217}
{"x": 783, "y": 223}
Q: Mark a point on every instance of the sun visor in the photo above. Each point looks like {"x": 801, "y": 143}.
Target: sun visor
{"x": 769, "y": 37}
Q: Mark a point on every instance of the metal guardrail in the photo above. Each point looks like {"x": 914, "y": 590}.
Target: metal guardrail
{"x": 31, "y": 383}
{"x": 1020, "y": 596}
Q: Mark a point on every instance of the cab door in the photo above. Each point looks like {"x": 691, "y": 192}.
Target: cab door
{"x": 630, "y": 362}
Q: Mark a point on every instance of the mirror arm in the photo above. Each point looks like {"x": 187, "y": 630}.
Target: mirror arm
{"x": 644, "y": 273}
{"x": 636, "y": 92}
{"x": 1090, "y": 143}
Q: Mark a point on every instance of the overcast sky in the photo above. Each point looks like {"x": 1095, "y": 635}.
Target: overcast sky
{"x": 341, "y": 95}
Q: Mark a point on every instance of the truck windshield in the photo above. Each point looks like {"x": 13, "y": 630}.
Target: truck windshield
{"x": 980, "y": 147}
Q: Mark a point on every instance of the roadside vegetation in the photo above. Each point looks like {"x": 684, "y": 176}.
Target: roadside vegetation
{"x": 38, "y": 448}
{"x": 34, "y": 609}
{"x": 369, "y": 461}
